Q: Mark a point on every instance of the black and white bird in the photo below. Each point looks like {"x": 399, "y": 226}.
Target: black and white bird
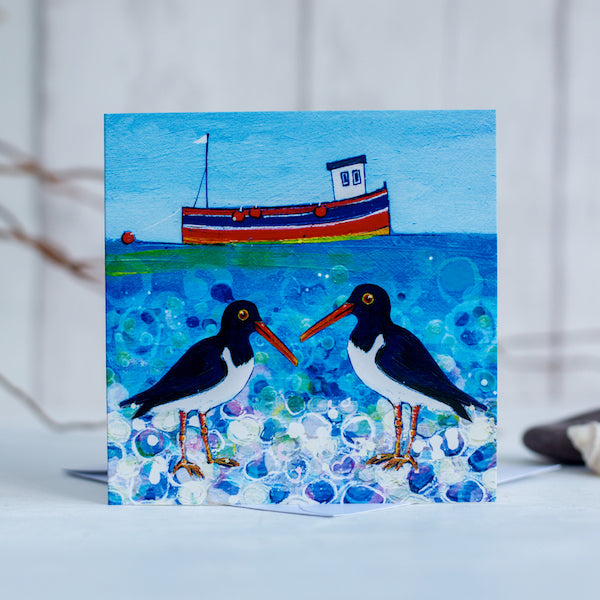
{"x": 394, "y": 363}
{"x": 212, "y": 372}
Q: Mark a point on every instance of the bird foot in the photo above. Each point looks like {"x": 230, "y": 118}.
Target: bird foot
{"x": 226, "y": 462}
{"x": 379, "y": 458}
{"x": 392, "y": 461}
{"x": 190, "y": 467}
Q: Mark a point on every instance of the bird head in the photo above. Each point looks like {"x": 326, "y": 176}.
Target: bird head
{"x": 368, "y": 302}
{"x": 242, "y": 317}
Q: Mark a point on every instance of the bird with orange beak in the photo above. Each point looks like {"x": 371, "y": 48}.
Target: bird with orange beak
{"x": 394, "y": 363}
{"x": 212, "y": 372}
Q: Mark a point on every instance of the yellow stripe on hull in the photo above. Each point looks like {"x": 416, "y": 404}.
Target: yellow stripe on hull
{"x": 332, "y": 238}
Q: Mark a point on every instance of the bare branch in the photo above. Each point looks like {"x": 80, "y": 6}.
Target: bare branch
{"x": 49, "y": 250}
{"x": 23, "y": 164}
{"x": 81, "y": 173}
{"x": 37, "y": 410}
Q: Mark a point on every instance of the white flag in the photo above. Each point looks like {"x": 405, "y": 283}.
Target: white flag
{"x": 202, "y": 140}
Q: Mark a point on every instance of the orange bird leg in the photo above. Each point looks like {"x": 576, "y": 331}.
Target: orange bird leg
{"x": 204, "y": 434}
{"x": 413, "y": 429}
{"x": 224, "y": 462}
{"x": 184, "y": 463}
{"x": 406, "y": 457}
{"x": 396, "y": 460}
{"x": 398, "y": 426}
{"x": 391, "y": 459}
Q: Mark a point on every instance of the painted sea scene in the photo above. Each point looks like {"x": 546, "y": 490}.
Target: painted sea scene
{"x": 301, "y": 308}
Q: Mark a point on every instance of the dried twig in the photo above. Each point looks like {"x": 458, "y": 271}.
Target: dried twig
{"x": 22, "y": 164}
{"x": 46, "y": 248}
{"x": 46, "y": 419}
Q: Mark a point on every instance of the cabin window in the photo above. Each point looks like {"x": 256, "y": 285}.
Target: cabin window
{"x": 345, "y": 178}
{"x": 355, "y": 177}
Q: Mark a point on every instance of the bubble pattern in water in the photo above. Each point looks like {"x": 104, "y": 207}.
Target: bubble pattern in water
{"x": 301, "y": 434}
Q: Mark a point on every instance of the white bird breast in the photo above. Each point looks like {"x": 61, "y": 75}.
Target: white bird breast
{"x": 227, "y": 389}
{"x": 372, "y": 376}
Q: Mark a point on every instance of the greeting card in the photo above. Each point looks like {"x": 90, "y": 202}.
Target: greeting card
{"x": 301, "y": 307}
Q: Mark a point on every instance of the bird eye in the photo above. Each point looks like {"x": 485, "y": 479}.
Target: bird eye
{"x": 243, "y": 314}
{"x": 368, "y": 298}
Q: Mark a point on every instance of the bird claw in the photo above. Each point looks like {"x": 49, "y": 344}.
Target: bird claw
{"x": 226, "y": 462}
{"x": 379, "y": 458}
{"x": 393, "y": 462}
{"x": 399, "y": 461}
{"x": 190, "y": 467}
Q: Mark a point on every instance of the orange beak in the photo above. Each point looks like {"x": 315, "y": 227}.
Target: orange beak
{"x": 261, "y": 328}
{"x": 343, "y": 311}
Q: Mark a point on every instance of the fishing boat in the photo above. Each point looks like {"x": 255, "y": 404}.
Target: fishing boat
{"x": 352, "y": 214}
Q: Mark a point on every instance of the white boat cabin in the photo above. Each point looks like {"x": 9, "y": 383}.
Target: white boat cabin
{"x": 348, "y": 177}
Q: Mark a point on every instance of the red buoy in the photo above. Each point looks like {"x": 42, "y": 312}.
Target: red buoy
{"x": 255, "y": 212}
{"x": 238, "y": 216}
{"x": 320, "y": 211}
{"x": 128, "y": 237}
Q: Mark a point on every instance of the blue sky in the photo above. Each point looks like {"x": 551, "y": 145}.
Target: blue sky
{"x": 440, "y": 166}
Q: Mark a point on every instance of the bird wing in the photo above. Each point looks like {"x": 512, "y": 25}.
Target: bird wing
{"x": 406, "y": 360}
{"x": 198, "y": 370}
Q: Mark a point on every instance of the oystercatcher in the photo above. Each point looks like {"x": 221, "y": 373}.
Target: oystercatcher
{"x": 393, "y": 362}
{"x": 211, "y": 372}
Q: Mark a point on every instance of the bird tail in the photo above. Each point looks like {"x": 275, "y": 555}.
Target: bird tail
{"x": 478, "y": 404}
{"x": 460, "y": 410}
{"x": 462, "y": 403}
{"x": 138, "y": 400}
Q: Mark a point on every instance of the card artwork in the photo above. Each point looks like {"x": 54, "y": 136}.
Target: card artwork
{"x": 301, "y": 308}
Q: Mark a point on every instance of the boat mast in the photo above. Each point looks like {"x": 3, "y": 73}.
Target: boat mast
{"x": 203, "y": 140}
{"x": 206, "y": 174}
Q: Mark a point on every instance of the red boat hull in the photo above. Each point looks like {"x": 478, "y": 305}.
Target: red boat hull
{"x": 360, "y": 217}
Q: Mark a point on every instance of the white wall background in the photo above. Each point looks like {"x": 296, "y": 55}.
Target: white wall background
{"x": 64, "y": 63}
